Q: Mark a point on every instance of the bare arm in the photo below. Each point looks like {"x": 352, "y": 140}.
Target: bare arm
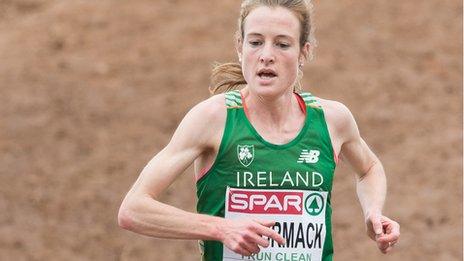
{"x": 371, "y": 183}
{"x": 141, "y": 212}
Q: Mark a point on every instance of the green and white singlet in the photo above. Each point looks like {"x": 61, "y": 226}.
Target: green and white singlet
{"x": 290, "y": 184}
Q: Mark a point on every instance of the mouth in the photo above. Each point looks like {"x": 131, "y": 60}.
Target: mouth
{"x": 266, "y": 74}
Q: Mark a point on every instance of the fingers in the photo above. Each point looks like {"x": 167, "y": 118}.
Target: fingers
{"x": 392, "y": 232}
{"x": 245, "y": 237}
{"x": 386, "y": 241}
{"x": 265, "y": 230}
{"x": 377, "y": 225}
{"x": 249, "y": 248}
{"x": 266, "y": 223}
{"x": 384, "y": 247}
{"x": 374, "y": 225}
{"x": 242, "y": 251}
{"x": 251, "y": 242}
{"x": 243, "y": 247}
{"x": 388, "y": 238}
{"x": 259, "y": 240}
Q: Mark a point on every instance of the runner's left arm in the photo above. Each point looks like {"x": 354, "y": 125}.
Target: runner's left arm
{"x": 371, "y": 185}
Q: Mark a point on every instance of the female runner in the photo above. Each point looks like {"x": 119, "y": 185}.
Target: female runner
{"x": 264, "y": 154}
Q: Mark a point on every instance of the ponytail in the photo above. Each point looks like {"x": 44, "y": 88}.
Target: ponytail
{"x": 226, "y": 77}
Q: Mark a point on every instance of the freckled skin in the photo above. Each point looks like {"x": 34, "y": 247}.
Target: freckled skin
{"x": 271, "y": 40}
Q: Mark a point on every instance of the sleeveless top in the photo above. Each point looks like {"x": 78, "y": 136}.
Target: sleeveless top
{"x": 290, "y": 184}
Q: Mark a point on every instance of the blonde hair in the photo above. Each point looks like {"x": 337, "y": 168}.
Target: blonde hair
{"x": 229, "y": 76}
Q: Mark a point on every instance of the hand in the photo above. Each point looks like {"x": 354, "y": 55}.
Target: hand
{"x": 245, "y": 236}
{"x": 383, "y": 230}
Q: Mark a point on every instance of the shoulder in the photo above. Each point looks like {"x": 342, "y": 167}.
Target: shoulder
{"x": 205, "y": 121}
{"x": 334, "y": 109}
{"x": 211, "y": 110}
{"x": 339, "y": 118}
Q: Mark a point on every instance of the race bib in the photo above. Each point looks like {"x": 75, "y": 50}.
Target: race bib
{"x": 299, "y": 217}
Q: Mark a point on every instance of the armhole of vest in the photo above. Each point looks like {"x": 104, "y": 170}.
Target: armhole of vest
{"x": 325, "y": 127}
{"x": 223, "y": 144}
{"x": 311, "y": 102}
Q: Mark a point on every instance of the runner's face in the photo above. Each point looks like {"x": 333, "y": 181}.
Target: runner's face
{"x": 271, "y": 43}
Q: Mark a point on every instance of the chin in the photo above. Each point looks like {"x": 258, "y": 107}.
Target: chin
{"x": 270, "y": 90}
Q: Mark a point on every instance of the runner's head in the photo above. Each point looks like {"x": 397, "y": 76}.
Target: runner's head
{"x": 300, "y": 8}
{"x": 274, "y": 35}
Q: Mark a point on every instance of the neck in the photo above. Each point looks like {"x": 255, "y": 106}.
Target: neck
{"x": 275, "y": 112}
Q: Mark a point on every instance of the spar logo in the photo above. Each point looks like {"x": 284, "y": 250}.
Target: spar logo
{"x": 265, "y": 202}
{"x": 314, "y": 204}
{"x": 246, "y": 154}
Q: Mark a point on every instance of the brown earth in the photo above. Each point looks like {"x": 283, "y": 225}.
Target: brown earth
{"x": 91, "y": 90}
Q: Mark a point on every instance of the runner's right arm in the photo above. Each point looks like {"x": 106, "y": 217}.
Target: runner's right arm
{"x": 141, "y": 212}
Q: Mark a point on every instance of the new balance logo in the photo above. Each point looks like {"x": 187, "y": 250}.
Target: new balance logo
{"x": 311, "y": 156}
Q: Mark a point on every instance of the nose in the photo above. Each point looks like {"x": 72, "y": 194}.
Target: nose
{"x": 267, "y": 56}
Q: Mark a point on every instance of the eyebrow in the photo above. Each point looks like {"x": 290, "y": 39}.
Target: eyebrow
{"x": 278, "y": 36}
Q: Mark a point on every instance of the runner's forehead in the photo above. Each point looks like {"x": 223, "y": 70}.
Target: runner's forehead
{"x": 272, "y": 21}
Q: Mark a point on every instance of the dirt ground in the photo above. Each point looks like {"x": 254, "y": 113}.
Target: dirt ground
{"x": 91, "y": 90}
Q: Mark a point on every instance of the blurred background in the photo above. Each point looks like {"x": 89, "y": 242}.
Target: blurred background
{"x": 91, "y": 90}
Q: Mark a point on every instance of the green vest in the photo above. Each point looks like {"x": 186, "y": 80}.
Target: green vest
{"x": 289, "y": 183}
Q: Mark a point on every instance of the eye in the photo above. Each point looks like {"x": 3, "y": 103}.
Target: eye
{"x": 254, "y": 43}
{"x": 283, "y": 45}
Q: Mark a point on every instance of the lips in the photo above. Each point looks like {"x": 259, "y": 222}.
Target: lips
{"x": 266, "y": 73}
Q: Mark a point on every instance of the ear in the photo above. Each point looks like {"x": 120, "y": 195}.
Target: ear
{"x": 239, "y": 47}
{"x": 304, "y": 54}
